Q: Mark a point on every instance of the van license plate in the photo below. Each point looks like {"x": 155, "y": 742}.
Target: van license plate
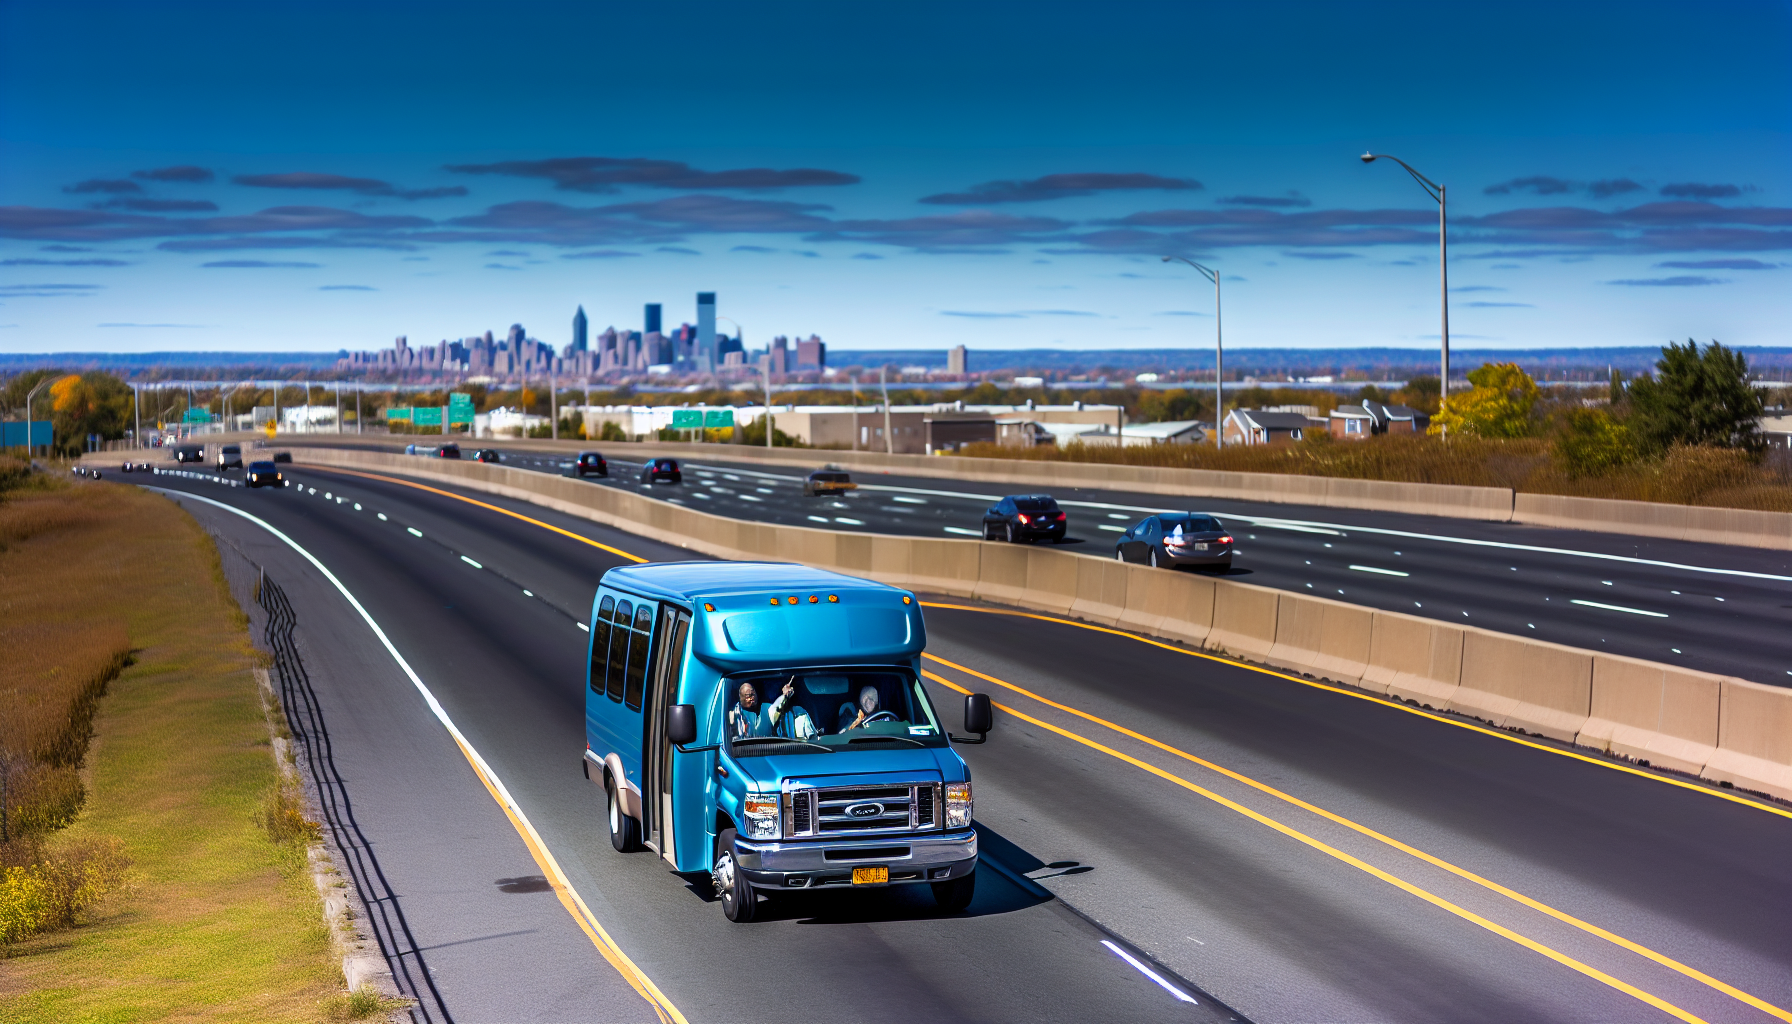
{"x": 870, "y": 876}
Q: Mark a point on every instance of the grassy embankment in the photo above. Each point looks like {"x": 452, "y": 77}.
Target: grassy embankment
{"x": 149, "y": 875}
{"x": 1714, "y": 477}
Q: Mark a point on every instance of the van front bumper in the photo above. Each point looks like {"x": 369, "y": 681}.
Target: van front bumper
{"x": 816, "y": 865}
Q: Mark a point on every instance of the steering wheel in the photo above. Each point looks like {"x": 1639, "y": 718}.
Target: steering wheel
{"x": 881, "y": 716}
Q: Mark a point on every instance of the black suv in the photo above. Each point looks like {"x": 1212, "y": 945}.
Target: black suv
{"x": 265, "y": 474}
{"x": 487, "y": 455}
{"x": 189, "y": 453}
{"x": 590, "y": 464}
{"x": 656, "y": 470}
{"x": 1025, "y": 517}
{"x": 446, "y": 451}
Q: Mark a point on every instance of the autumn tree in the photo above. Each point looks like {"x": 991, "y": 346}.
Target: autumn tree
{"x": 1499, "y": 405}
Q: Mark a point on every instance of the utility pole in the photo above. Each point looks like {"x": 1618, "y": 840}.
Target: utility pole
{"x": 553, "y": 405}
{"x": 136, "y": 416}
{"x": 889, "y": 438}
{"x": 768, "y": 397}
{"x": 357, "y": 408}
{"x": 855, "y": 412}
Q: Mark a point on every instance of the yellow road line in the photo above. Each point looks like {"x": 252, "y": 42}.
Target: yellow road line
{"x": 1566, "y": 918}
{"x": 1355, "y": 862}
{"x": 575, "y": 904}
{"x": 618, "y": 552}
{"x": 1384, "y": 702}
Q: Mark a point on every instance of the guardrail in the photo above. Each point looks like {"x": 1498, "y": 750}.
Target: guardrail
{"x": 1724, "y": 729}
{"x": 1740, "y": 527}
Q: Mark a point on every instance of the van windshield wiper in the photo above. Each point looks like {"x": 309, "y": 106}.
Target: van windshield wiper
{"x": 880, "y": 739}
{"x": 751, "y": 740}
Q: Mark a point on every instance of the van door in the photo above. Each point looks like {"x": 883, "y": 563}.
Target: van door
{"x": 662, "y": 691}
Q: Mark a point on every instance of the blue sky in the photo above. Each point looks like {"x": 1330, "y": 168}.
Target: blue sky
{"x": 319, "y": 176}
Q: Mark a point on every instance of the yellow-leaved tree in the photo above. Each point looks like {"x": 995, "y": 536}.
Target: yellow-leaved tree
{"x": 1499, "y": 406}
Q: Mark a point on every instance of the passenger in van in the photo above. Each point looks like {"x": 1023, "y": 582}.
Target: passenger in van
{"x": 749, "y": 718}
{"x": 866, "y": 710}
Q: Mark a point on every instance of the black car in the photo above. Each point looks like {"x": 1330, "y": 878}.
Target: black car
{"x": 230, "y": 456}
{"x": 486, "y": 455}
{"x": 1176, "y": 539}
{"x": 189, "y": 453}
{"x": 282, "y": 456}
{"x": 827, "y": 481}
{"x": 265, "y": 474}
{"x": 656, "y": 470}
{"x": 446, "y": 451}
{"x": 590, "y": 464}
{"x": 1025, "y": 517}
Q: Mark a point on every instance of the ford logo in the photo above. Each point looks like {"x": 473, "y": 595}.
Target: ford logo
{"x": 864, "y": 810}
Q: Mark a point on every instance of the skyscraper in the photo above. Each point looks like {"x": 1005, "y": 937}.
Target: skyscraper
{"x": 578, "y": 330}
{"x": 957, "y": 361}
{"x": 706, "y": 332}
{"x": 653, "y": 318}
{"x": 811, "y": 354}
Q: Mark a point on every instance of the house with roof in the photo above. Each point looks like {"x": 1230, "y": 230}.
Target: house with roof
{"x": 1255, "y": 426}
{"x": 1357, "y": 422}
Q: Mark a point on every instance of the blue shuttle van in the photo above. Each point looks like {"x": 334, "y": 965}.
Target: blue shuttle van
{"x": 767, "y": 724}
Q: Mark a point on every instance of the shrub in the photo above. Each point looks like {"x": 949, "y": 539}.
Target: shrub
{"x": 1592, "y": 443}
{"x": 60, "y": 889}
{"x": 612, "y": 431}
{"x": 284, "y": 817}
{"x": 1499, "y": 406}
{"x": 1698, "y": 398}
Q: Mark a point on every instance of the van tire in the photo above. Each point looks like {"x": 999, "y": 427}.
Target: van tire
{"x": 739, "y": 900}
{"x": 954, "y": 896}
{"x": 625, "y": 832}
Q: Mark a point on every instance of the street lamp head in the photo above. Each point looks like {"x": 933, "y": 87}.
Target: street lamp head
{"x": 1368, "y": 158}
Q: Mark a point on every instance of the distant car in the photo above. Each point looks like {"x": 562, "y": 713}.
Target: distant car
{"x": 446, "y": 451}
{"x": 656, "y": 470}
{"x": 230, "y": 457}
{"x": 486, "y": 455}
{"x": 1025, "y": 517}
{"x": 189, "y": 453}
{"x": 411, "y": 449}
{"x": 282, "y": 456}
{"x": 1176, "y": 539}
{"x": 590, "y": 464}
{"x": 827, "y": 481}
{"x": 265, "y": 474}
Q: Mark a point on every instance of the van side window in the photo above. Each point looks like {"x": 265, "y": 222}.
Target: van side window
{"x": 637, "y": 657}
{"x": 619, "y": 643}
{"x": 600, "y": 644}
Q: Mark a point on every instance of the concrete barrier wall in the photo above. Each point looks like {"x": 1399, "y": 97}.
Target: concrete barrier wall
{"x": 1652, "y": 519}
{"x": 1728, "y": 730}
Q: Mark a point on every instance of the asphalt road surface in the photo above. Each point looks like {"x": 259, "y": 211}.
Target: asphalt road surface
{"x": 1709, "y": 607}
{"x": 1168, "y": 836}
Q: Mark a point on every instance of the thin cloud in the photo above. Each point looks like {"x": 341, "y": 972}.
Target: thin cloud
{"x": 602, "y": 174}
{"x": 500, "y": 266}
{"x": 107, "y": 186}
{"x": 65, "y": 248}
{"x": 348, "y": 288}
{"x": 1737, "y": 264}
{"x": 866, "y": 256}
{"x": 46, "y": 291}
{"x": 678, "y": 250}
{"x": 1697, "y": 190}
{"x": 184, "y": 327}
{"x": 1542, "y": 185}
{"x": 1292, "y": 199}
{"x": 1058, "y": 186}
{"x": 94, "y": 262}
{"x": 184, "y": 173}
{"x": 1321, "y": 255}
{"x": 1681, "y": 281}
{"x": 160, "y": 205}
{"x": 259, "y": 265}
{"x": 978, "y": 315}
{"x": 363, "y": 186}
{"x": 1180, "y": 312}
{"x": 1608, "y": 187}
{"x": 508, "y": 252}
{"x": 753, "y": 248}
{"x": 599, "y": 254}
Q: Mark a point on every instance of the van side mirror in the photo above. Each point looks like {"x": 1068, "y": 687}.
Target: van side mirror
{"x": 681, "y": 724}
{"x": 978, "y": 718}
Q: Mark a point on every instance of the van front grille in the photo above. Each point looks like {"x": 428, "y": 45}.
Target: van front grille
{"x": 859, "y": 810}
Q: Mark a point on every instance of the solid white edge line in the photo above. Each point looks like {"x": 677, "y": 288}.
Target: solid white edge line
{"x": 441, "y": 713}
{"x": 470, "y": 562}
{"x": 1619, "y": 608}
{"x": 1148, "y": 972}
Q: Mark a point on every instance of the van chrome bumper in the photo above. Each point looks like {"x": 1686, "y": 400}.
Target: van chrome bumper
{"x": 808, "y": 865}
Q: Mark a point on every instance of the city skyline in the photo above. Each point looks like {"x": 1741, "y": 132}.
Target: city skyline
{"x": 1594, "y": 199}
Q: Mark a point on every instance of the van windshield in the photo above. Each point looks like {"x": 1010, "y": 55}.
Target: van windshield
{"x": 823, "y": 711}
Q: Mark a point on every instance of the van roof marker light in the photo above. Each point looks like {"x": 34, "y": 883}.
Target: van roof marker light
{"x": 708, "y": 607}
{"x": 906, "y": 599}
{"x": 835, "y": 599}
{"x": 791, "y": 599}
{"x": 774, "y": 602}
{"x": 813, "y": 599}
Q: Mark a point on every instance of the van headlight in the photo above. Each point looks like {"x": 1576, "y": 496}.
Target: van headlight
{"x": 958, "y": 804}
{"x": 762, "y": 816}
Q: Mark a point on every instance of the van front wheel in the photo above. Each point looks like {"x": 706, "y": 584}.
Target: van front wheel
{"x": 739, "y": 901}
{"x": 625, "y": 832}
{"x": 955, "y": 895}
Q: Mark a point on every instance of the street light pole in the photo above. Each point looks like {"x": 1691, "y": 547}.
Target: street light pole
{"x": 1219, "y": 353}
{"x": 1435, "y": 191}
{"x": 51, "y": 379}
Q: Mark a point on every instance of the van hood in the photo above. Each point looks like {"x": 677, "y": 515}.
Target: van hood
{"x": 925, "y": 765}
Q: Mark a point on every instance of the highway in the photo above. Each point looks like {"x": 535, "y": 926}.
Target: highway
{"x": 1703, "y": 606}
{"x": 1168, "y": 836}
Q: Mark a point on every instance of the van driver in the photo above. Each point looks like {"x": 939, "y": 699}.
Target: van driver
{"x": 749, "y": 718}
{"x": 867, "y": 707}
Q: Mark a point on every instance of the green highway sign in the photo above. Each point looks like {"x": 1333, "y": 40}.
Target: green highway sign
{"x": 687, "y": 419}
{"x": 427, "y": 417}
{"x": 402, "y": 414}
{"x": 460, "y": 408}
{"x": 197, "y": 416}
{"x": 713, "y": 418}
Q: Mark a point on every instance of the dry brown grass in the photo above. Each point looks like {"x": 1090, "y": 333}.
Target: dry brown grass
{"x": 1684, "y": 476}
